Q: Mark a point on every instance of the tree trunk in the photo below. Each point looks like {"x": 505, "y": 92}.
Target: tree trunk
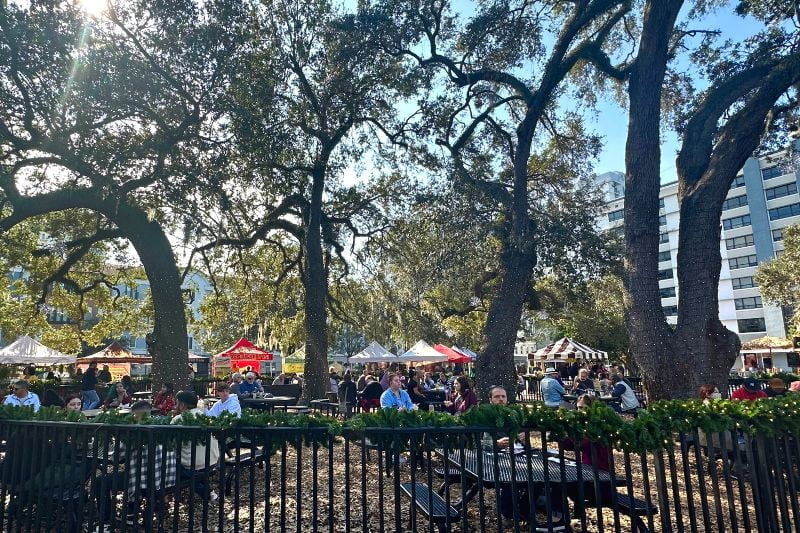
{"x": 708, "y": 348}
{"x": 315, "y": 281}
{"x": 650, "y": 336}
{"x": 170, "y": 340}
{"x": 495, "y": 365}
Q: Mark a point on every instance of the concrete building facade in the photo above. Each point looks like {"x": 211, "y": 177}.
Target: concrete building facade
{"x": 762, "y": 201}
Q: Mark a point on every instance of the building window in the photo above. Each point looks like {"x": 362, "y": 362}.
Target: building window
{"x": 743, "y": 262}
{"x": 784, "y": 212}
{"x": 670, "y": 310}
{"x": 665, "y": 274}
{"x": 661, "y": 203}
{"x": 753, "y": 302}
{"x": 739, "y": 242}
{"x": 781, "y": 191}
{"x": 736, "y": 222}
{"x": 667, "y": 292}
{"x": 771, "y": 172}
{"x": 777, "y": 234}
{"x": 779, "y": 253}
{"x": 738, "y": 182}
{"x": 745, "y": 282}
{"x": 751, "y": 325}
{"x": 663, "y": 237}
{"x": 662, "y": 220}
{"x": 619, "y": 214}
{"x": 191, "y": 343}
{"x": 664, "y": 256}
{"x": 733, "y": 203}
{"x": 619, "y": 231}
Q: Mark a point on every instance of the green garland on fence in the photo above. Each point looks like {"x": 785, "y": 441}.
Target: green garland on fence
{"x": 653, "y": 429}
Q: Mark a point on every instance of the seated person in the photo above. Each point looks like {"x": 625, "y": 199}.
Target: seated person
{"x": 282, "y": 379}
{"x": 52, "y": 399}
{"x": 583, "y": 384}
{"x": 749, "y": 391}
{"x": 136, "y": 479}
{"x": 250, "y": 385}
{"x": 416, "y": 390}
{"x": 776, "y": 388}
{"x": 236, "y": 382}
{"x": 465, "y": 397}
{"x": 371, "y": 395}
{"x": 499, "y": 396}
{"x": 120, "y": 397}
{"x": 199, "y": 468}
{"x": 227, "y": 402}
{"x": 165, "y": 399}
{"x": 21, "y": 396}
{"x": 626, "y": 400}
{"x": 72, "y": 403}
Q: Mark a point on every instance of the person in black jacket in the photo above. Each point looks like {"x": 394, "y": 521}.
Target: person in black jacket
{"x": 347, "y": 395}
{"x": 89, "y": 388}
{"x": 371, "y": 395}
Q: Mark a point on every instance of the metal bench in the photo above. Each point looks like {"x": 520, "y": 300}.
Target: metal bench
{"x": 636, "y": 509}
{"x": 430, "y": 504}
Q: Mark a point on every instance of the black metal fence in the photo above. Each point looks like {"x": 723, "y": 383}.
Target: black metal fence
{"x": 61, "y": 476}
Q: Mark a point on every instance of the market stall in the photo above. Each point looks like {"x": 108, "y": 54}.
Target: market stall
{"x": 244, "y": 356}
{"x": 28, "y": 351}
{"x": 119, "y": 360}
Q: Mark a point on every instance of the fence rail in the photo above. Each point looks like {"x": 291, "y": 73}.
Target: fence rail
{"x": 60, "y": 476}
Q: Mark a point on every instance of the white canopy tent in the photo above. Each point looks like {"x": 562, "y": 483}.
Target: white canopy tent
{"x": 374, "y": 353}
{"x": 422, "y": 352}
{"x": 28, "y": 351}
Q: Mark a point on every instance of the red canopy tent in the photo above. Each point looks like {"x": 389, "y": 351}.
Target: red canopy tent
{"x": 452, "y": 355}
{"x": 244, "y": 354}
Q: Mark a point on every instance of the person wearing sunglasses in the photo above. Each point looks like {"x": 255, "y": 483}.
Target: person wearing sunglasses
{"x": 21, "y": 396}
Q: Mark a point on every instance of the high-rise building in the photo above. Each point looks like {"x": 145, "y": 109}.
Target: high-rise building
{"x": 762, "y": 201}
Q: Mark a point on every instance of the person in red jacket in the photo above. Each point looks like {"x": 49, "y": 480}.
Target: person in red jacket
{"x": 465, "y": 397}
{"x": 750, "y": 390}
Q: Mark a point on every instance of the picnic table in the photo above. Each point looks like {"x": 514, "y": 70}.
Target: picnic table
{"x": 268, "y": 404}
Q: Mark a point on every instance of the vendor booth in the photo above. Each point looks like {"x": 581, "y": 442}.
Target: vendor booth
{"x": 28, "y": 351}
{"x": 374, "y": 353}
{"x": 422, "y": 352}
{"x": 453, "y": 354}
{"x": 120, "y": 360}
{"x": 567, "y": 350}
{"x": 244, "y": 356}
{"x": 295, "y": 362}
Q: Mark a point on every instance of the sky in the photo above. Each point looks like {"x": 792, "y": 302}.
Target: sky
{"x": 611, "y": 122}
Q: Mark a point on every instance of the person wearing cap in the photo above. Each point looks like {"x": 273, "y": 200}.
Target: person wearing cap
{"x": 250, "y": 386}
{"x": 552, "y": 390}
{"x": 22, "y": 396}
{"x": 750, "y": 390}
{"x": 227, "y": 402}
{"x": 776, "y": 388}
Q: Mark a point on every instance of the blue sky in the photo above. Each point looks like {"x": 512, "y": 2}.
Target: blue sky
{"x": 611, "y": 121}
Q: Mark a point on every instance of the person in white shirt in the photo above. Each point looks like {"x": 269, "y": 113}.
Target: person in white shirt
{"x": 198, "y": 470}
{"x": 22, "y": 396}
{"x": 227, "y": 402}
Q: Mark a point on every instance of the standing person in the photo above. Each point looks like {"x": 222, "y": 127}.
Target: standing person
{"x": 104, "y": 376}
{"x": 626, "y": 400}
{"x": 199, "y": 469}
{"x": 395, "y": 397}
{"x": 362, "y": 380}
{"x": 465, "y": 396}
{"x": 749, "y": 391}
{"x": 22, "y": 396}
{"x": 165, "y": 399}
{"x": 552, "y": 389}
{"x": 89, "y": 387}
{"x": 347, "y": 395}
{"x": 29, "y": 374}
{"x": 334, "y": 381}
{"x": 227, "y": 402}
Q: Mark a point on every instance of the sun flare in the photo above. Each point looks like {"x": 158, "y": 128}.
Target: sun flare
{"x": 94, "y": 8}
